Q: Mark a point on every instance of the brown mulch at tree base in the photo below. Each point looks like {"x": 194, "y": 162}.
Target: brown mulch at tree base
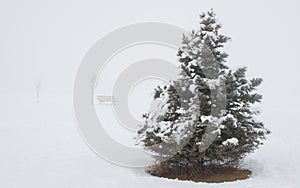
{"x": 208, "y": 174}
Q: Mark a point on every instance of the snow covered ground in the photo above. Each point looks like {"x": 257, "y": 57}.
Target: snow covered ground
{"x": 44, "y": 42}
{"x": 41, "y": 147}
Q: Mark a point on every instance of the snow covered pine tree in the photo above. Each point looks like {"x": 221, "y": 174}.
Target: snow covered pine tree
{"x": 206, "y": 116}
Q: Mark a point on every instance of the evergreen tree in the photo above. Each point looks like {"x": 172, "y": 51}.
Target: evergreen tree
{"x": 206, "y": 116}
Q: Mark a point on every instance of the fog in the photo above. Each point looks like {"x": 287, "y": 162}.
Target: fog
{"x": 44, "y": 42}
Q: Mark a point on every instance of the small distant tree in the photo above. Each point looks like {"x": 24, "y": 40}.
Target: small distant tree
{"x": 186, "y": 124}
{"x": 38, "y": 88}
{"x": 93, "y": 79}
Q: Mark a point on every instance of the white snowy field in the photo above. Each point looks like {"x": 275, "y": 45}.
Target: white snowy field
{"x": 41, "y": 147}
{"x": 43, "y": 42}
